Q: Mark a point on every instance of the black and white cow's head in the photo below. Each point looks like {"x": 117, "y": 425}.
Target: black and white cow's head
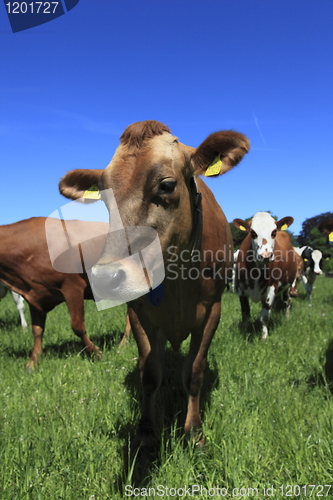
{"x": 263, "y": 228}
{"x": 313, "y": 260}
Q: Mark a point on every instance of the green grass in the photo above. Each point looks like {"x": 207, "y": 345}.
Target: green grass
{"x": 267, "y": 407}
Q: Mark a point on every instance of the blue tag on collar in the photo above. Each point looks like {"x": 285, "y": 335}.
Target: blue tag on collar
{"x": 156, "y": 295}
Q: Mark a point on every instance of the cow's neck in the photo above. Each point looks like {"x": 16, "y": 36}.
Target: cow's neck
{"x": 196, "y": 200}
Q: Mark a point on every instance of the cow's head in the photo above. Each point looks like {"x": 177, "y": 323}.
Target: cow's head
{"x": 152, "y": 177}
{"x": 263, "y": 228}
{"x": 313, "y": 259}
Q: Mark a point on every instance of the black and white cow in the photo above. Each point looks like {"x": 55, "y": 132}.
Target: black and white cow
{"x": 312, "y": 266}
{"x": 18, "y": 299}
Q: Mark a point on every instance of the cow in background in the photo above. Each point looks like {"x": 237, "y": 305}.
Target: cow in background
{"x": 19, "y": 302}
{"x": 313, "y": 260}
{"x": 154, "y": 179}
{"x": 300, "y": 270}
{"x": 26, "y": 268}
{"x": 233, "y": 280}
{"x": 266, "y": 265}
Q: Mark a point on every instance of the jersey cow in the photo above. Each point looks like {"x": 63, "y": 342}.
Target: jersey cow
{"x": 19, "y": 302}
{"x": 266, "y": 265}
{"x": 154, "y": 181}
{"x": 25, "y": 267}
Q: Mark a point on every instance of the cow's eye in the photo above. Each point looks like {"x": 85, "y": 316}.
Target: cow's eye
{"x": 253, "y": 234}
{"x": 167, "y": 186}
{"x": 274, "y": 233}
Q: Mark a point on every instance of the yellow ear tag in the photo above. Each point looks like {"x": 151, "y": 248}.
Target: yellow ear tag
{"x": 92, "y": 193}
{"x": 305, "y": 260}
{"x": 242, "y": 228}
{"x": 215, "y": 167}
{"x": 330, "y": 236}
{"x": 284, "y": 227}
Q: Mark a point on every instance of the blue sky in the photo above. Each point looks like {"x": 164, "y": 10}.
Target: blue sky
{"x": 69, "y": 88}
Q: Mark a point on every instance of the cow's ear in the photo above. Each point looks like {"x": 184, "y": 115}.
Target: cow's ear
{"x": 326, "y": 228}
{"x": 243, "y": 225}
{"x": 219, "y": 153}
{"x": 81, "y": 183}
{"x": 284, "y": 223}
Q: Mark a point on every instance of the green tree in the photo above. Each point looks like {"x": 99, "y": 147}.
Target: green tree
{"x": 317, "y": 240}
{"x": 304, "y": 237}
{"x": 237, "y": 235}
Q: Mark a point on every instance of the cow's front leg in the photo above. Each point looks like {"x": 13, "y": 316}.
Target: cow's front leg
{"x": 38, "y": 319}
{"x": 266, "y": 310}
{"x": 124, "y": 341}
{"x": 308, "y": 287}
{"x": 193, "y": 371}
{"x": 245, "y": 307}
{"x": 151, "y": 361}
{"x": 286, "y": 301}
{"x": 75, "y": 303}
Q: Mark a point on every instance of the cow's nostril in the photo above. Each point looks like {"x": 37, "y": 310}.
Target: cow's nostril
{"x": 116, "y": 279}
{"x": 106, "y": 284}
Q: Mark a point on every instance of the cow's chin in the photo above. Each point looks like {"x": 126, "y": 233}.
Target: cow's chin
{"x": 117, "y": 283}
{"x": 265, "y": 260}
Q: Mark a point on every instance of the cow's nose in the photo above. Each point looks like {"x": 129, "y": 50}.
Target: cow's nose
{"x": 106, "y": 284}
{"x": 266, "y": 256}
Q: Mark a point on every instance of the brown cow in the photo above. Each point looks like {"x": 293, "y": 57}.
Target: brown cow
{"x": 266, "y": 265}
{"x": 26, "y": 268}
{"x": 153, "y": 178}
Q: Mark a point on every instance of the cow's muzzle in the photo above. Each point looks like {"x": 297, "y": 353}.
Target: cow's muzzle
{"x": 266, "y": 257}
{"x": 107, "y": 284}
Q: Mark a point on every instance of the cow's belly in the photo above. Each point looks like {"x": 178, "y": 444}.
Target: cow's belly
{"x": 256, "y": 290}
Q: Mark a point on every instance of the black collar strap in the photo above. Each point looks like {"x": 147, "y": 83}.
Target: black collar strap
{"x": 195, "y": 243}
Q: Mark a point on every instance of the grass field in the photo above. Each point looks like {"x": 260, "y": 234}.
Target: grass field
{"x": 267, "y": 407}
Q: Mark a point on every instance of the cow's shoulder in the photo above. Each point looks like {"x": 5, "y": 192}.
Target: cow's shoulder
{"x": 283, "y": 241}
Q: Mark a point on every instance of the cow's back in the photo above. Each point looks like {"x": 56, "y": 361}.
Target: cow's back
{"x": 25, "y": 263}
{"x": 23, "y": 247}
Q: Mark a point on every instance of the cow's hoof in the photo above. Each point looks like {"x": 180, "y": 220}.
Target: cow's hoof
{"x": 30, "y": 366}
{"x": 245, "y": 325}
{"x": 196, "y": 437}
{"x": 144, "y": 446}
{"x": 124, "y": 342}
{"x": 96, "y": 355}
{"x": 99, "y": 355}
